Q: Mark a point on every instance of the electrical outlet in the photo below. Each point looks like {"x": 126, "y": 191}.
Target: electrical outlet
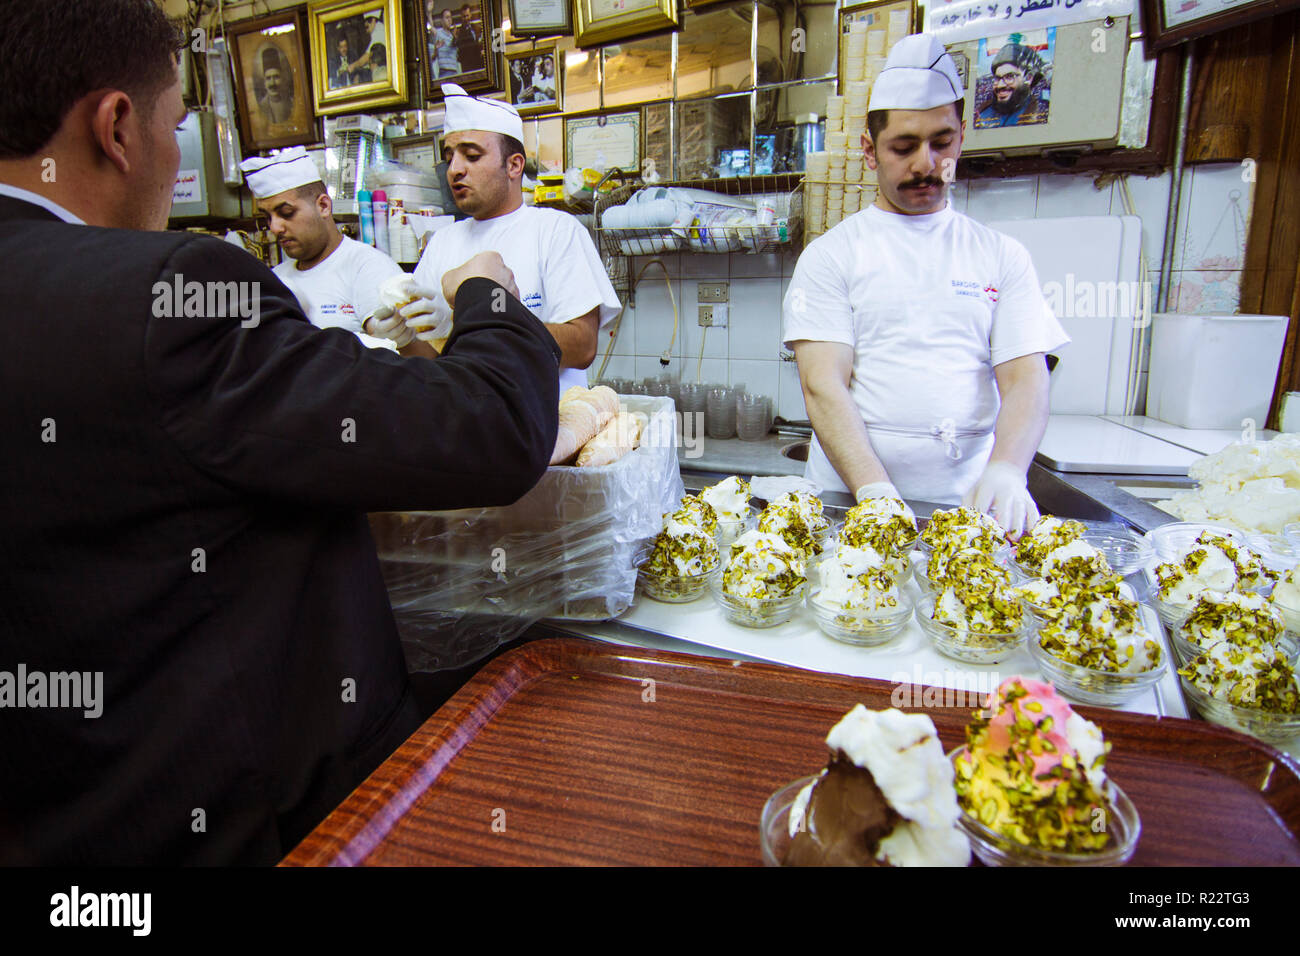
{"x": 711, "y": 292}
{"x": 720, "y": 316}
{"x": 706, "y": 316}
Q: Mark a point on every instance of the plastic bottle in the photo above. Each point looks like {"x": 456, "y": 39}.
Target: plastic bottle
{"x": 367, "y": 216}
{"x": 379, "y": 202}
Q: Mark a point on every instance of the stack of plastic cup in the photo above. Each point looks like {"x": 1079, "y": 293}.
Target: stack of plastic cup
{"x": 853, "y": 164}
{"x": 834, "y": 114}
{"x": 815, "y": 176}
{"x": 720, "y": 420}
{"x": 875, "y": 63}
{"x": 751, "y": 416}
{"x": 852, "y": 199}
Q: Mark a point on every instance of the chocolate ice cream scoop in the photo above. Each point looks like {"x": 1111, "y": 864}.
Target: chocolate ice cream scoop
{"x": 846, "y": 818}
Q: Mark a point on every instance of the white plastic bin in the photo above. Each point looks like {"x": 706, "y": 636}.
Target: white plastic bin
{"x": 1213, "y": 371}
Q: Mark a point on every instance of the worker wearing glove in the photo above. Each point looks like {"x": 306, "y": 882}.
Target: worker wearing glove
{"x": 920, "y": 334}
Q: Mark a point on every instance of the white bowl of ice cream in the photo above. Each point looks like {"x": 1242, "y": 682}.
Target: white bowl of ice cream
{"x": 679, "y": 563}
{"x": 858, "y": 600}
{"x": 729, "y": 499}
{"x": 977, "y": 628}
{"x": 1099, "y": 651}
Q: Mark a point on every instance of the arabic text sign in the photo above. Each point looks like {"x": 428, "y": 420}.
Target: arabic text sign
{"x": 971, "y": 19}
{"x": 187, "y": 187}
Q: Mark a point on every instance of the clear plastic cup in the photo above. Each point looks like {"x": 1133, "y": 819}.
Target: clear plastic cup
{"x": 720, "y": 417}
{"x": 752, "y": 416}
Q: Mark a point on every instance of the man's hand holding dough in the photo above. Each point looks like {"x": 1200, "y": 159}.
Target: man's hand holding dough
{"x": 488, "y": 265}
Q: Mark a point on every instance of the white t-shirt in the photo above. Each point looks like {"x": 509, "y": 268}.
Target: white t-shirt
{"x": 559, "y": 275}
{"x": 929, "y": 304}
{"x": 342, "y": 290}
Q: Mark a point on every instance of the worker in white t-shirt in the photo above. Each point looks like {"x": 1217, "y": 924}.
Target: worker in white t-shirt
{"x": 335, "y": 279}
{"x": 555, "y": 264}
{"x": 921, "y": 334}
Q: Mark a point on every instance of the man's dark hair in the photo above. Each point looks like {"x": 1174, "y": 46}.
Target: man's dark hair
{"x": 309, "y": 191}
{"x": 54, "y": 53}
{"x": 877, "y": 120}
{"x": 510, "y": 146}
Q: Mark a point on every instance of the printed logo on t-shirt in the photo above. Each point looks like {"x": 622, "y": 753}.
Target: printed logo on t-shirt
{"x": 992, "y": 292}
{"x": 967, "y": 288}
{"x": 329, "y": 308}
{"x": 533, "y": 300}
{"x": 347, "y": 309}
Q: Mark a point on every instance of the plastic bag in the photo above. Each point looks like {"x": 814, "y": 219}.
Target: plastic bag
{"x": 461, "y": 583}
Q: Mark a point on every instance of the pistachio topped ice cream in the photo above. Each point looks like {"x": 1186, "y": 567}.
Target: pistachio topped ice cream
{"x": 1204, "y": 567}
{"x": 1286, "y": 599}
{"x": 942, "y": 525}
{"x": 1246, "y": 620}
{"x": 1047, "y": 535}
{"x": 1103, "y": 633}
{"x": 886, "y": 525}
{"x": 885, "y": 799}
{"x": 729, "y": 498}
{"x": 1033, "y": 770}
{"x": 695, "y": 510}
{"x": 1079, "y": 564}
{"x": 681, "y": 549}
{"x": 1258, "y": 677}
{"x": 762, "y": 566}
{"x": 798, "y": 518}
{"x": 1251, "y": 572}
{"x": 976, "y": 608}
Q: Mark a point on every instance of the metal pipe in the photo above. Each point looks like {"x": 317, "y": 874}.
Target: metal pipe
{"x": 1176, "y": 186}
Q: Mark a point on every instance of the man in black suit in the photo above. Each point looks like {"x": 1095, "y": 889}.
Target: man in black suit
{"x": 186, "y": 470}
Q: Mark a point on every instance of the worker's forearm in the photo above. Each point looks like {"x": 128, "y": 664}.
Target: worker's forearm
{"x": 1021, "y": 423}
{"x": 418, "y": 348}
{"x": 577, "y": 344}
{"x": 843, "y": 436}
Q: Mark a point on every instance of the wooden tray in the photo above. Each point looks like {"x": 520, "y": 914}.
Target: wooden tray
{"x": 555, "y": 754}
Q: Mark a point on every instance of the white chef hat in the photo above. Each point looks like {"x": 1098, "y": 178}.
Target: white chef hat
{"x": 918, "y": 75}
{"x": 470, "y": 112}
{"x": 283, "y": 169}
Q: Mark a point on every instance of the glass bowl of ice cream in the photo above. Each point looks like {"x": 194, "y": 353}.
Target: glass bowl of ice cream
{"x": 886, "y": 798}
{"x": 729, "y": 499}
{"x": 1099, "y": 652}
{"x": 933, "y": 570}
{"x": 858, "y": 600}
{"x": 680, "y": 561}
{"x": 1252, "y": 690}
{"x": 1032, "y": 785}
{"x": 975, "y": 626}
{"x": 762, "y": 581}
{"x": 1047, "y": 535}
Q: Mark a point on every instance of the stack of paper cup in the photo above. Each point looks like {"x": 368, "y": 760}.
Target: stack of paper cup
{"x": 875, "y": 63}
{"x": 876, "y": 42}
{"x": 852, "y": 199}
{"x": 853, "y": 165}
{"x": 854, "y": 67}
{"x": 815, "y": 167}
{"x": 834, "y": 113}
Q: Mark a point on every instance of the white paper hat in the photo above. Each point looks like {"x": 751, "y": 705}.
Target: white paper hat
{"x": 284, "y": 169}
{"x": 918, "y": 75}
{"x": 469, "y": 112}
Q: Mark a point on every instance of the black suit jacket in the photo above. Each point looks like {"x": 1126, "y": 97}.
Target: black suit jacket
{"x": 196, "y": 532}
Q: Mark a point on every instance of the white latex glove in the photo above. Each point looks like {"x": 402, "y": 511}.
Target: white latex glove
{"x": 425, "y": 319}
{"x": 383, "y": 323}
{"x": 1003, "y": 487}
{"x": 877, "y": 489}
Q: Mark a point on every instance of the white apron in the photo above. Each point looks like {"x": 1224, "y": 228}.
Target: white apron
{"x": 938, "y": 466}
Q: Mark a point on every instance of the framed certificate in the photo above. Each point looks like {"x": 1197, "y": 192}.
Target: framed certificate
{"x": 1170, "y": 22}
{"x": 603, "y": 141}
{"x": 540, "y": 18}
{"x": 603, "y": 21}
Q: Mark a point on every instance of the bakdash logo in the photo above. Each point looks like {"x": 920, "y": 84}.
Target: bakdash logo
{"x": 76, "y": 909}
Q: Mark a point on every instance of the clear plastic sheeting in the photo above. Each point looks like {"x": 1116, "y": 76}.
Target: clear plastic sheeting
{"x": 464, "y": 582}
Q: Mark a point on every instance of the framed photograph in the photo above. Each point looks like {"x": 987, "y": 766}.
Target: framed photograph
{"x": 533, "y": 80}
{"x": 358, "y": 55}
{"x": 456, "y": 37}
{"x": 420, "y": 150}
{"x": 1167, "y": 23}
{"x": 273, "y": 82}
{"x": 613, "y": 139}
{"x": 603, "y": 21}
{"x": 540, "y": 18}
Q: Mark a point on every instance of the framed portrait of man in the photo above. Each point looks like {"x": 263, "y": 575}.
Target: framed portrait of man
{"x": 534, "y": 80}
{"x": 272, "y": 82}
{"x": 358, "y": 55}
{"x": 460, "y": 45}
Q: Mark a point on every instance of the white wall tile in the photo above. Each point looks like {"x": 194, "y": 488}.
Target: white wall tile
{"x": 759, "y": 378}
{"x": 991, "y": 199}
{"x": 647, "y": 365}
{"x": 790, "y": 400}
{"x": 620, "y": 366}
{"x": 1068, "y": 194}
{"x": 711, "y": 371}
{"x": 1151, "y": 199}
{"x": 1213, "y": 219}
{"x": 959, "y": 195}
{"x": 625, "y": 342}
{"x": 755, "y": 318}
{"x": 788, "y": 260}
{"x": 703, "y": 265}
{"x": 1204, "y": 292}
{"x": 653, "y": 317}
{"x": 671, "y": 261}
{"x": 751, "y": 265}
